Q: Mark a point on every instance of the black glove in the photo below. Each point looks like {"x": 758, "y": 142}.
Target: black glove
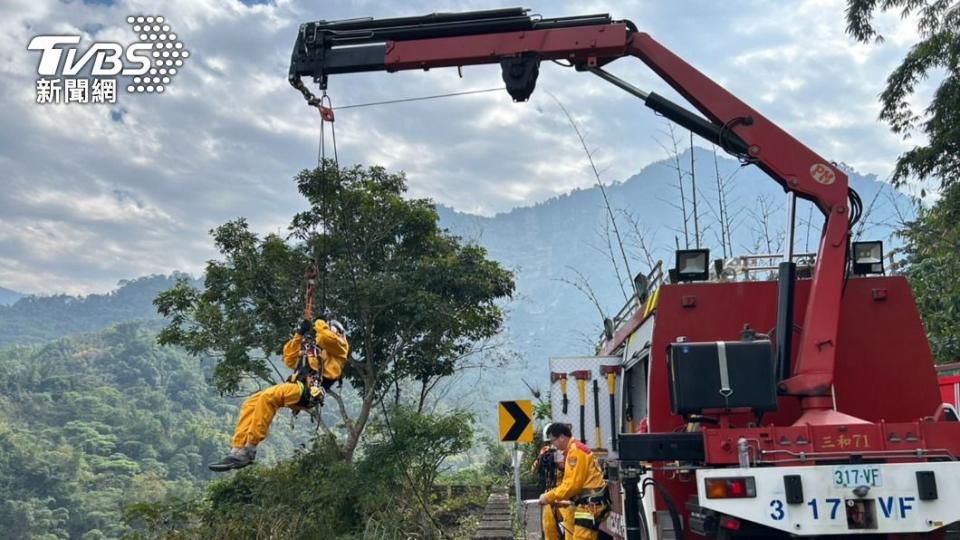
{"x": 304, "y": 327}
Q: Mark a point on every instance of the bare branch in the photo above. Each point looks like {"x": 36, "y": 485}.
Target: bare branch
{"x": 673, "y": 155}
{"x": 583, "y": 285}
{"x": 596, "y": 175}
{"x": 609, "y": 255}
{"x": 638, "y": 232}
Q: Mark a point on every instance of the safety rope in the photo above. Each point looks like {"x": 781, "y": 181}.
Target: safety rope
{"x": 421, "y": 98}
{"x": 308, "y": 346}
{"x": 325, "y": 106}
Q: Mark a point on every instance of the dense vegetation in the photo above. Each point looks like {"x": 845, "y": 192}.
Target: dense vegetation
{"x": 932, "y": 257}
{"x": 392, "y": 490}
{"x": 91, "y": 422}
{"x": 935, "y": 56}
{"x": 107, "y": 435}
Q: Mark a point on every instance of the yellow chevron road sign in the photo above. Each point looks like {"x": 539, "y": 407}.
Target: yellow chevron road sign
{"x": 516, "y": 421}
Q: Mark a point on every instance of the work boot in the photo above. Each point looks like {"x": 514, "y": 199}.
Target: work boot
{"x": 238, "y": 458}
{"x": 251, "y": 451}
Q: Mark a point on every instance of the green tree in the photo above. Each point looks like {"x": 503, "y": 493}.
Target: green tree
{"x": 416, "y": 300}
{"x": 387, "y": 491}
{"x": 414, "y": 445}
{"x": 932, "y": 257}
{"x": 90, "y": 423}
{"x": 937, "y": 51}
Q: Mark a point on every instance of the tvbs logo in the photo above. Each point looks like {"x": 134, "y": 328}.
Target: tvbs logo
{"x": 150, "y": 63}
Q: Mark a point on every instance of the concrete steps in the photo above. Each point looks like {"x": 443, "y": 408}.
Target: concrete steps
{"x": 497, "y": 520}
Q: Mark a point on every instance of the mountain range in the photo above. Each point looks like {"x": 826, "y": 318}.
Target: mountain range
{"x": 552, "y": 246}
{"x": 9, "y": 296}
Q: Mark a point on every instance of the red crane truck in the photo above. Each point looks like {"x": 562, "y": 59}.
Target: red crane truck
{"x": 756, "y": 425}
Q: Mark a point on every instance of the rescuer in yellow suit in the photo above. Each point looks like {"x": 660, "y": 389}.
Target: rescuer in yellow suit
{"x": 258, "y": 410}
{"x": 582, "y": 483}
{"x": 550, "y": 456}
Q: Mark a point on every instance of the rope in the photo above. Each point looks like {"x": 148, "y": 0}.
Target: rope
{"x": 421, "y": 98}
{"x": 321, "y": 151}
{"x": 325, "y": 101}
{"x": 325, "y": 107}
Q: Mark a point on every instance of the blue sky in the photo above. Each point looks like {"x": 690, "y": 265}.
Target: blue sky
{"x": 94, "y": 194}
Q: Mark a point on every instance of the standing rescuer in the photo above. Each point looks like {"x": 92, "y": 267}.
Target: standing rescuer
{"x": 556, "y": 522}
{"x": 301, "y": 390}
{"x": 582, "y": 484}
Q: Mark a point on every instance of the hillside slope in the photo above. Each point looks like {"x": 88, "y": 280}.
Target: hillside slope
{"x": 9, "y": 296}
{"x": 93, "y": 422}
{"x": 38, "y": 319}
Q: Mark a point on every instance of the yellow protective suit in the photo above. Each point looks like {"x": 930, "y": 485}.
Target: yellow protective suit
{"x": 335, "y": 350}
{"x": 581, "y": 477}
{"x": 548, "y": 520}
{"x": 257, "y": 412}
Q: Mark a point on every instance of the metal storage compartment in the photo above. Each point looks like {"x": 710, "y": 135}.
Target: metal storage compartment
{"x": 722, "y": 375}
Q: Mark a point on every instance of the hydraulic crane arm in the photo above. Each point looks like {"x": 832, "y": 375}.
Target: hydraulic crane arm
{"x": 519, "y": 42}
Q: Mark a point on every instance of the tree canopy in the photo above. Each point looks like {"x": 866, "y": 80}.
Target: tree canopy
{"x": 932, "y": 252}
{"x": 89, "y": 423}
{"x": 937, "y": 52}
{"x": 416, "y": 300}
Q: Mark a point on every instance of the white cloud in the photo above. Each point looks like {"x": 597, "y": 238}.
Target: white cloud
{"x": 229, "y": 134}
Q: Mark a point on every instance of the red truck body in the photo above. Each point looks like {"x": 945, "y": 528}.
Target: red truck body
{"x": 950, "y": 390}
{"x": 884, "y": 373}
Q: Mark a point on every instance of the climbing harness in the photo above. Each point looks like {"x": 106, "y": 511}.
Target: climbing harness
{"x": 308, "y": 379}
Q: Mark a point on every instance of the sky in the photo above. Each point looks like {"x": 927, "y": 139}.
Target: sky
{"x": 92, "y": 194}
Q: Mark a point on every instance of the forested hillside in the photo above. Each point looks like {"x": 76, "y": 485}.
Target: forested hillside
{"x": 90, "y": 423}
{"x": 37, "y": 319}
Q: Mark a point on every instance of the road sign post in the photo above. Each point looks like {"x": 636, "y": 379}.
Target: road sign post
{"x": 516, "y": 426}
{"x": 517, "y": 458}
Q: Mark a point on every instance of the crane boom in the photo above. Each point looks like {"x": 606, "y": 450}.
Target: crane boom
{"x": 519, "y": 42}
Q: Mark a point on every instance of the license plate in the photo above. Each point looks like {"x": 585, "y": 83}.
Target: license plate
{"x": 857, "y": 475}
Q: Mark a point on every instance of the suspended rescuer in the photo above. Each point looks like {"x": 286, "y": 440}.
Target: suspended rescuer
{"x": 582, "y": 483}
{"x": 317, "y": 354}
{"x": 556, "y": 521}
